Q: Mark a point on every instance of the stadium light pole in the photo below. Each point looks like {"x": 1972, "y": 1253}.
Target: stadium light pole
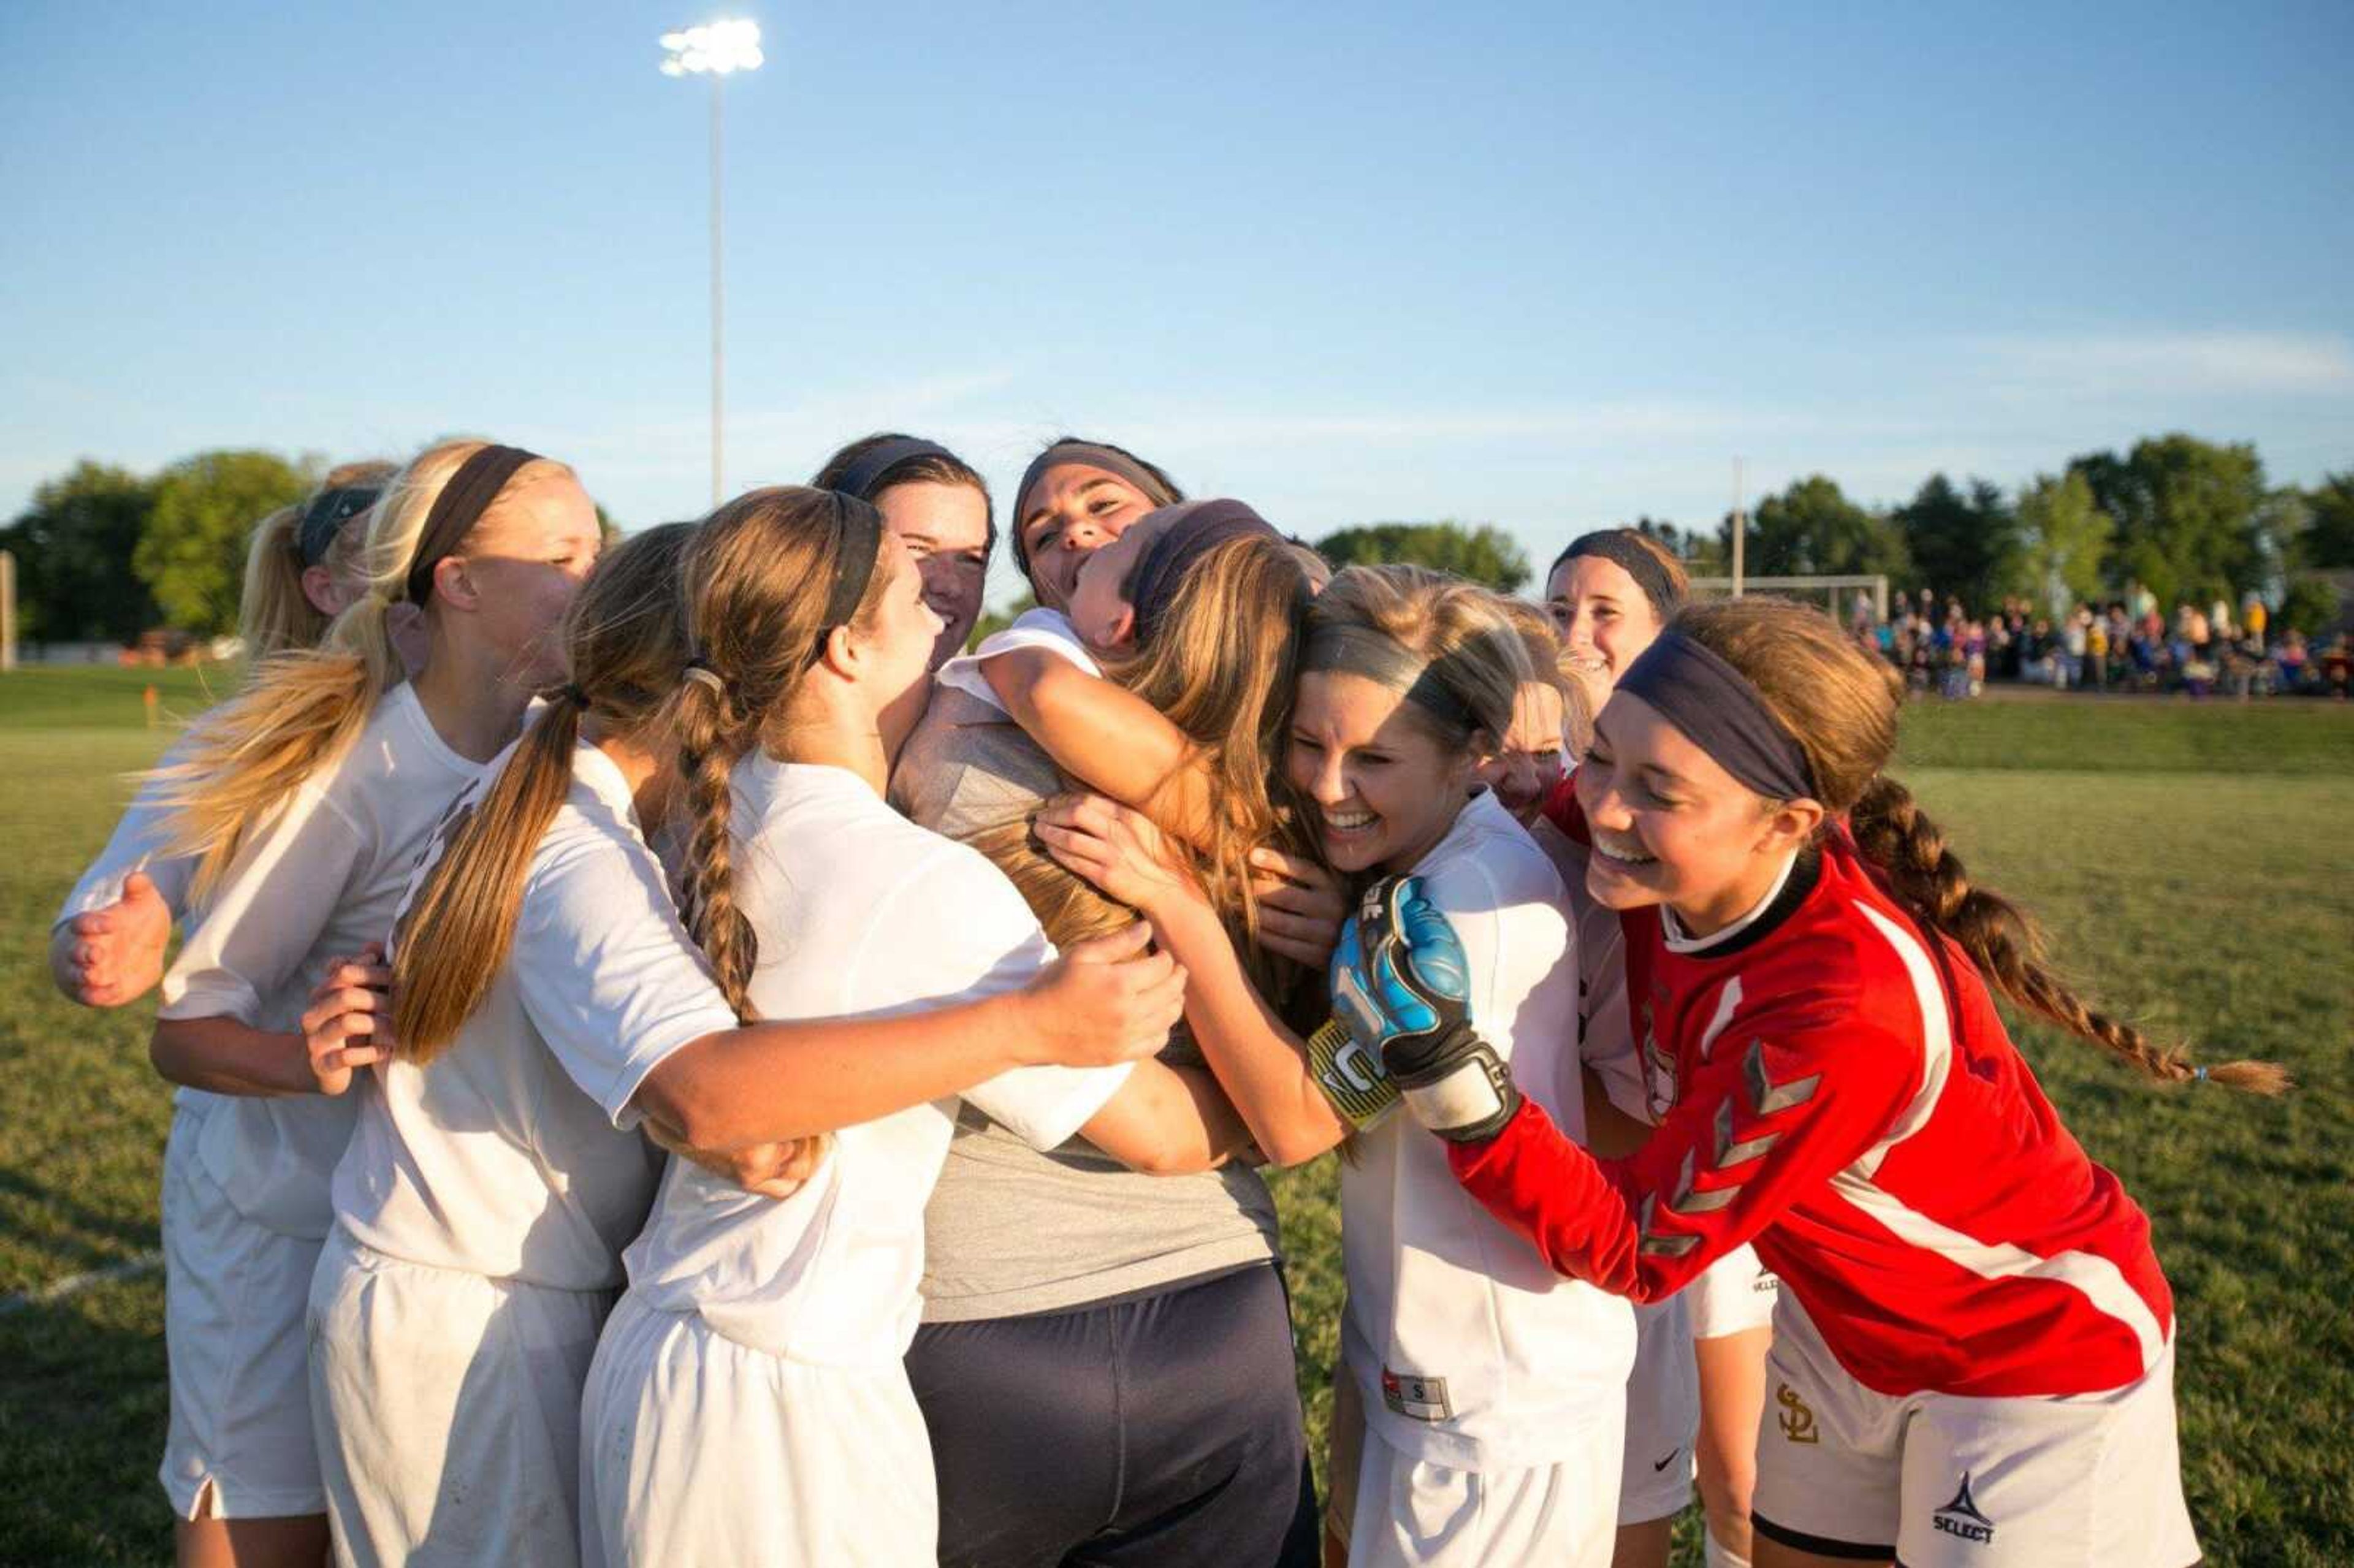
{"x": 718, "y": 50}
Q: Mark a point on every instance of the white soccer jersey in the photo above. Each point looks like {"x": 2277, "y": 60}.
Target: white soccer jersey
{"x": 319, "y": 878}
{"x": 1036, "y": 627}
{"x": 136, "y": 844}
{"x": 1470, "y": 1352}
{"x": 514, "y": 1153}
{"x": 859, "y": 912}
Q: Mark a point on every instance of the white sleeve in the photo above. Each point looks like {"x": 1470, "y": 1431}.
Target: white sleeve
{"x": 274, "y": 901}
{"x": 979, "y": 939}
{"x": 606, "y": 970}
{"x": 134, "y": 846}
{"x": 1048, "y": 629}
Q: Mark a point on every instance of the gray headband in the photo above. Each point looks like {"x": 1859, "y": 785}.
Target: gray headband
{"x": 1081, "y": 454}
{"x": 1695, "y": 689}
{"x": 871, "y": 465}
{"x": 1194, "y": 529}
{"x": 1345, "y": 649}
{"x": 1617, "y": 547}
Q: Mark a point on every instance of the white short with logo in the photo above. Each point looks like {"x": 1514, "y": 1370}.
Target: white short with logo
{"x": 1662, "y": 1413}
{"x": 1733, "y": 1296}
{"x": 447, "y": 1406}
{"x": 239, "y": 1445}
{"x": 1408, "y": 1513}
{"x": 1946, "y": 1482}
{"x": 699, "y": 1452}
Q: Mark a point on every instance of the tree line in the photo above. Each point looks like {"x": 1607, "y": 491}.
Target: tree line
{"x": 104, "y": 554}
{"x": 2189, "y": 519}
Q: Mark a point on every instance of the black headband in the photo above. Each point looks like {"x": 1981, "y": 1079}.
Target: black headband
{"x": 458, "y": 508}
{"x": 1347, "y": 649}
{"x": 1698, "y": 691}
{"x": 860, "y": 530}
{"x": 1081, "y": 454}
{"x": 325, "y": 516}
{"x": 1189, "y": 531}
{"x": 1617, "y": 547}
{"x": 871, "y": 465}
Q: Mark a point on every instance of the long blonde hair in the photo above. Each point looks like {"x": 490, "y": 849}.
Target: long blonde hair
{"x": 273, "y": 614}
{"x": 1219, "y": 666}
{"x": 304, "y": 705}
{"x": 624, "y": 641}
{"x": 1841, "y": 703}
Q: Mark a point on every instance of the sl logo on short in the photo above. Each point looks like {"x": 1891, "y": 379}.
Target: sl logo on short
{"x": 1797, "y": 1418}
{"x": 1961, "y": 1518}
{"x": 1415, "y": 1398}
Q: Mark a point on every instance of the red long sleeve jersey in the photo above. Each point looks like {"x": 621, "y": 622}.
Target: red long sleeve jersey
{"x": 1838, "y": 1089}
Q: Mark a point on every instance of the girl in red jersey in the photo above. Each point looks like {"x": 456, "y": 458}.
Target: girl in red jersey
{"x": 1973, "y": 1354}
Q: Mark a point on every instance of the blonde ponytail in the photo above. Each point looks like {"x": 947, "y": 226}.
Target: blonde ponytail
{"x": 303, "y": 706}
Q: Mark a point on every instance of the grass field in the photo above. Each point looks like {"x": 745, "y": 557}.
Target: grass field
{"x": 2195, "y": 864}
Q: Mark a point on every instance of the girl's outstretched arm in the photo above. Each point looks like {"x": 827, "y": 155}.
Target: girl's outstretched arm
{"x": 1100, "y": 732}
{"x": 1262, "y": 1064}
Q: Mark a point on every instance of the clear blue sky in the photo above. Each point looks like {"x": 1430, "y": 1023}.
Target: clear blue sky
{"x": 1542, "y": 265}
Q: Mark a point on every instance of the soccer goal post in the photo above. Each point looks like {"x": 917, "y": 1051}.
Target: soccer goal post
{"x": 1833, "y": 591}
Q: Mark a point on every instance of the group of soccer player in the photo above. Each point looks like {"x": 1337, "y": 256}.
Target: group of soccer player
{"x": 680, "y": 1062}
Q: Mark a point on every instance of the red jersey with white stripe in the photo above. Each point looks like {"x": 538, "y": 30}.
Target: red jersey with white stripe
{"x": 1837, "y": 1087}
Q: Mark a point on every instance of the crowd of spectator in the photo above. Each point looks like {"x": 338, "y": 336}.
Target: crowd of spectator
{"x": 2125, "y": 646}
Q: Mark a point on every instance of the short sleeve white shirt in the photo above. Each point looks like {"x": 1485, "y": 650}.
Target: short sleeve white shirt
{"x": 1037, "y": 628}
{"x": 136, "y": 844}
{"x": 513, "y": 1154}
{"x": 858, "y": 912}
{"x": 1469, "y": 1351}
{"x": 319, "y": 878}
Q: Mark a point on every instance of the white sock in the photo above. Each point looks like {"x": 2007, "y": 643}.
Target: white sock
{"x": 1720, "y": 1556}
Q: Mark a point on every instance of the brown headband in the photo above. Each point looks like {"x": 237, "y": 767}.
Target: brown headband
{"x": 458, "y": 508}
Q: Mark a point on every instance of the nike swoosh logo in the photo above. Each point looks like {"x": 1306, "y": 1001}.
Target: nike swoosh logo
{"x": 1669, "y": 1459}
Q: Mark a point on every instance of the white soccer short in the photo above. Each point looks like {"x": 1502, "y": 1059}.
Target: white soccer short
{"x": 696, "y": 1450}
{"x": 1655, "y": 1479}
{"x": 447, "y": 1407}
{"x": 1943, "y": 1481}
{"x": 239, "y": 1443}
{"x": 1732, "y": 1296}
{"x": 1411, "y": 1514}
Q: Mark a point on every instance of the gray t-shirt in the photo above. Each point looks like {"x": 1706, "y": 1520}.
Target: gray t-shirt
{"x": 1010, "y": 1230}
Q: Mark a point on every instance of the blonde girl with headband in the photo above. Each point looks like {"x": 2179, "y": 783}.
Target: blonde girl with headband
{"x": 1699, "y": 1384}
{"x": 1060, "y": 1288}
{"x": 106, "y": 945}
{"x": 301, "y": 803}
{"x": 1494, "y": 1396}
{"x": 937, "y": 505}
{"x": 1973, "y": 1348}
{"x": 748, "y": 1403}
{"x": 545, "y": 1001}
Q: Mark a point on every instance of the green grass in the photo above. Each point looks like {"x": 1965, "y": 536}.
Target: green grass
{"x": 2192, "y": 861}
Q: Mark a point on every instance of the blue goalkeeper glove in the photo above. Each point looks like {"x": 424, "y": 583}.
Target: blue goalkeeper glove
{"x": 1402, "y": 985}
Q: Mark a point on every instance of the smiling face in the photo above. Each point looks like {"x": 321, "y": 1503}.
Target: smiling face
{"x": 1074, "y": 509}
{"x": 1671, "y": 826}
{"x": 520, "y": 567}
{"x": 1603, "y": 619}
{"x": 1385, "y": 787}
{"x": 946, "y": 529}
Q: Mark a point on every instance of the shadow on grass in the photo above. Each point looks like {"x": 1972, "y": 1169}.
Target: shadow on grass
{"x": 83, "y": 1402}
